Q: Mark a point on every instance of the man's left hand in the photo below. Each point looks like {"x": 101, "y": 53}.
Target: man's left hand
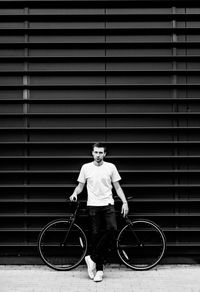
{"x": 124, "y": 209}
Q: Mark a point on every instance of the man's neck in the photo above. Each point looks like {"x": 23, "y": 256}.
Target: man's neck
{"x": 98, "y": 164}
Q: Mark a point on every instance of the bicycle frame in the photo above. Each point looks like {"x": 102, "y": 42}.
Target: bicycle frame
{"x": 73, "y": 218}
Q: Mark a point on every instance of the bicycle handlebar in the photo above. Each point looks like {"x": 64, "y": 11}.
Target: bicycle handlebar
{"x": 129, "y": 198}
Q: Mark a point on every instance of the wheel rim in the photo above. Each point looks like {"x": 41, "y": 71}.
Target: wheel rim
{"x": 143, "y": 251}
{"x": 61, "y": 256}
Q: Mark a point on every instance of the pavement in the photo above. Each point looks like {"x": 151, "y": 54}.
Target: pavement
{"x": 118, "y": 278}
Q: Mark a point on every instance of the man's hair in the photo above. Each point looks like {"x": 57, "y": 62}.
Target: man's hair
{"x": 99, "y": 145}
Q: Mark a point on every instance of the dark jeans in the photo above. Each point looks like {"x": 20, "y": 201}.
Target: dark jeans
{"x": 102, "y": 217}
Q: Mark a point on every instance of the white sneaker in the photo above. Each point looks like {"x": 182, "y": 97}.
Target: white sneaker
{"x": 91, "y": 266}
{"x": 99, "y": 276}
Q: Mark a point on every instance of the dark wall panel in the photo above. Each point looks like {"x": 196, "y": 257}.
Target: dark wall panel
{"x": 123, "y": 72}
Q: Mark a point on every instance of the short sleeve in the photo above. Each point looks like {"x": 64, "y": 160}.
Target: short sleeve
{"x": 81, "y": 177}
{"x": 115, "y": 174}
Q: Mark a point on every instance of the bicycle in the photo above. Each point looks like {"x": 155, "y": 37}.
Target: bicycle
{"x": 62, "y": 243}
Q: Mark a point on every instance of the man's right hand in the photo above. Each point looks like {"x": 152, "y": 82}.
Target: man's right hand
{"x": 73, "y": 198}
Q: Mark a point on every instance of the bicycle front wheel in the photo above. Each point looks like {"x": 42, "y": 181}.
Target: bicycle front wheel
{"x": 141, "y": 244}
{"x": 62, "y": 246}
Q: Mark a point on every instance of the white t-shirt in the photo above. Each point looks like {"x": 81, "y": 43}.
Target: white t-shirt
{"x": 99, "y": 182}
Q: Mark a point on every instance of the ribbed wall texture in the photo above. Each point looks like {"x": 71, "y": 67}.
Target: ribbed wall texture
{"x": 76, "y": 72}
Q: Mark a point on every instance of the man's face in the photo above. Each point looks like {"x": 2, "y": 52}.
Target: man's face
{"x": 98, "y": 154}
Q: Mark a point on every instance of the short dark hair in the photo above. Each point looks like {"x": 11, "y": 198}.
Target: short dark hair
{"x": 99, "y": 145}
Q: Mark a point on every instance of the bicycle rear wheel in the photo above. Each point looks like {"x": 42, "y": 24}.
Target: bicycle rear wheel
{"x": 141, "y": 244}
{"x": 58, "y": 253}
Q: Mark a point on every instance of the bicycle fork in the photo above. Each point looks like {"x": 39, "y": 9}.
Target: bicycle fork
{"x": 128, "y": 221}
{"x": 72, "y": 220}
{"x": 68, "y": 231}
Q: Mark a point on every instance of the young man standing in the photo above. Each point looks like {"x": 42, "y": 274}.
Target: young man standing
{"x": 99, "y": 176}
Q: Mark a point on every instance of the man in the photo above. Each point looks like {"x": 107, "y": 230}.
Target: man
{"x": 99, "y": 176}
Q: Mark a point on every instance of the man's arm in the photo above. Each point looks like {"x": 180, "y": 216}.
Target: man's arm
{"x": 121, "y": 195}
{"x": 77, "y": 191}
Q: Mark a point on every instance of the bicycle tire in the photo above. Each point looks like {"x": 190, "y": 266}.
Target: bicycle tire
{"x": 52, "y": 251}
{"x": 141, "y": 244}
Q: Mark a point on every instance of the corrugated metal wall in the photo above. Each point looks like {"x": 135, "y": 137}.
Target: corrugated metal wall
{"x": 76, "y": 72}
